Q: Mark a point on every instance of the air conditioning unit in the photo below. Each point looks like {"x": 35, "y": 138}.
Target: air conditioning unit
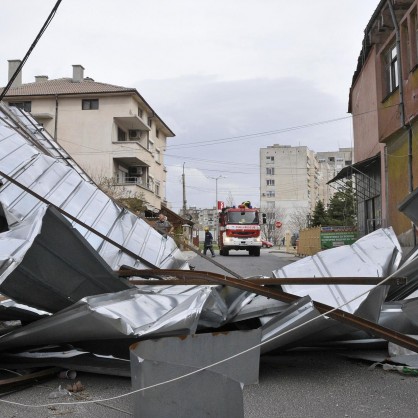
{"x": 134, "y": 134}
{"x": 135, "y": 171}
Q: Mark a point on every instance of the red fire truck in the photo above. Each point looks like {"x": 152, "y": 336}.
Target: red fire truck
{"x": 239, "y": 229}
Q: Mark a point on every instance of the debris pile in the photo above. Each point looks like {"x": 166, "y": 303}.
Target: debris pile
{"x": 64, "y": 244}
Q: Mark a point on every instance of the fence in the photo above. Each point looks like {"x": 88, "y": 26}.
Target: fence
{"x": 309, "y": 241}
{"x": 313, "y": 240}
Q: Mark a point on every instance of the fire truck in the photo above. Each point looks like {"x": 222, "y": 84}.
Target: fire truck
{"x": 239, "y": 229}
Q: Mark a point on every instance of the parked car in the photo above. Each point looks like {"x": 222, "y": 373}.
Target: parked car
{"x": 266, "y": 244}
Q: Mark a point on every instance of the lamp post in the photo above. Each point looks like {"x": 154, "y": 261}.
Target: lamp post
{"x": 216, "y": 203}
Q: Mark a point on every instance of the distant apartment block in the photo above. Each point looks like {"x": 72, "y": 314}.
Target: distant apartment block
{"x": 293, "y": 179}
{"x": 330, "y": 164}
{"x": 201, "y": 217}
{"x": 109, "y": 130}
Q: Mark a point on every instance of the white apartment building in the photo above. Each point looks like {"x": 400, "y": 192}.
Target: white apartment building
{"x": 109, "y": 130}
{"x": 330, "y": 164}
{"x": 201, "y": 217}
{"x": 293, "y": 179}
{"x": 288, "y": 182}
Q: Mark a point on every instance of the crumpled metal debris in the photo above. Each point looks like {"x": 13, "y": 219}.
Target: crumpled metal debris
{"x": 375, "y": 255}
{"x": 48, "y": 265}
{"x": 61, "y": 266}
{"x": 115, "y": 316}
{"x": 37, "y": 162}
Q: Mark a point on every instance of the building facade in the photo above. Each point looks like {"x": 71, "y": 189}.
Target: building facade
{"x": 110, "y": 131}
{"x": 288, "y": 183}
{"x": 330, "y": 164}
{"x": 293, "y": 179}
{"x": 384, "y": 106}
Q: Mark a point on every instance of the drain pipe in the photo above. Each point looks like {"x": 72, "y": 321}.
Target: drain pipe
{"x": 56, "y": 118}
{"x": 402, "y": 109}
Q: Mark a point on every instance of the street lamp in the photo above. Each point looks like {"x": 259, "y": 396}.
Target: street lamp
{"x": 216, "y": 202}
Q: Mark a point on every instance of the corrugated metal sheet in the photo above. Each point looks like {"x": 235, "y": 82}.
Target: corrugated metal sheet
{"x": 46, "y": 264}
{"x": 375, "y": 255}
{"x": 43, "y": 167}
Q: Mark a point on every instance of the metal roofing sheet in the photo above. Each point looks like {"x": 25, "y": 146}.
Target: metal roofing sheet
{"x": 58, "y": 181}
{"x": 375, "y": 255}
{"x": 49, "y": 266}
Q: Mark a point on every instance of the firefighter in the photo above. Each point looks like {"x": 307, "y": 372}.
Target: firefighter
{"x": 208, "y": 242}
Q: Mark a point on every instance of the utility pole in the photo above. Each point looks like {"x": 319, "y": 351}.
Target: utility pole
{"x": 216, "y": 203}
{"x": 184, "y": 192}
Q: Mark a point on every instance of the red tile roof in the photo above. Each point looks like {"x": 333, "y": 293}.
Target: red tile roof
{"x": 66, "y": 86}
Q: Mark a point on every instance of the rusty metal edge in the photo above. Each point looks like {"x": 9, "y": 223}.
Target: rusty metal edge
{"x": 337, "y": 314}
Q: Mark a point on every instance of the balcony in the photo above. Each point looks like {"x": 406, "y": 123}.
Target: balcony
{"x": 131, "y": 122}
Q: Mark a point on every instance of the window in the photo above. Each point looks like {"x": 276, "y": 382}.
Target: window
{"x": 270, "y": 182}
{"x": 150, "y": 122}
{"x": 140, "y": 112}
{"x": 121, "y": 174}
{"x": 243, "y": 217}
{"x": 121, "y": 134}
{"x": 157, "y": 188}
{"x": 90, "y": 104}
{"x": 270, "y": 171}
{"x": 271, "y": 193}
{"x": 26, "y": 106}
{"x": 150, "y": 183}
{"x": 157, "y": 155}
{"x": 331, "y": 159}
{"x": 271, "y": 205}
{"x": 391, "y": 70}
{"x": 157, "y": 133}
{"x": 348, "y": 162}
{"x": 150, "y": 145}
{"x": 134, "y": 134}
{"x": 270, "y": 158}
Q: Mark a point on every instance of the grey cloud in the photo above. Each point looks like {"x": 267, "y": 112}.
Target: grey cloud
{"x": 205, "y": 108}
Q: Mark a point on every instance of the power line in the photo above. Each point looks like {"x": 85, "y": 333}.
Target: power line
{"x": 239, "y": 163}
{"x": 41, "y": 32}
{"x": 209, "y": 142}
{"x": 254, "y": 135}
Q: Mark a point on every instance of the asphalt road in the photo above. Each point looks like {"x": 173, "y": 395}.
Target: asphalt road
{"x": 241, "y": 263}
{"x": 292, "y": 384}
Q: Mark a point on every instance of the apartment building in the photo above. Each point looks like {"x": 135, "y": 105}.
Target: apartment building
{"x": 289, "y": 182}
{"x": 109, "y": 130}
{"x": 330, "y": 163}
{"x": 293, "y": 179}
{"x": 384, "y": 106}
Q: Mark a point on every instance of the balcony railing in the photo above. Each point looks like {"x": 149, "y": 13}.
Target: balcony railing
{"x": 135, "y": 181}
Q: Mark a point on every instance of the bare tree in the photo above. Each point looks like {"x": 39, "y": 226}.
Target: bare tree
{"x": 270, "y": 231}
{"x": 298, "y": 219}
{"x": 229, "y": 200}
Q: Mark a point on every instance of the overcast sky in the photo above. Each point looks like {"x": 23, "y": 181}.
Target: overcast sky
{"x": 227, "y": 76}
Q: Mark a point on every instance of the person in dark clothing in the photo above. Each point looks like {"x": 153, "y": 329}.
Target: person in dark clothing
{"x": 208, "y": 242}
